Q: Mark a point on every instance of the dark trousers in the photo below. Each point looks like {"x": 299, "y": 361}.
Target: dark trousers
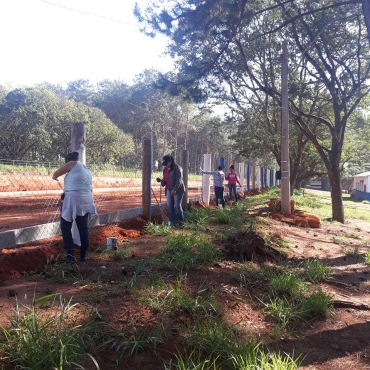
{"x": 219, "y": 194}
{"x": 232, "y": 188}
{"x": 83, "y": 228}
{"x": 174, "y": 205}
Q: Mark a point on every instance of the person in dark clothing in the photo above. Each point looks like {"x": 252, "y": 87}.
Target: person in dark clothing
{"x": 174, "y": 188}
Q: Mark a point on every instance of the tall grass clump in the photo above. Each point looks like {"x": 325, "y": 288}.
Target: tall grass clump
{"x": 316, "y": 271}
{"x": 223, "y": 216}
{"x": 367, "y": 257}
{"x": 178, "y": 255}
{"x": 157, "y": 229}
{"x": 52, "y": 340}
{"x": 196, "y": 216}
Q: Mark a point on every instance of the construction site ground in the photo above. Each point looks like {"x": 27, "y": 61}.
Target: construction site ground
{"x": 339, "y": 341}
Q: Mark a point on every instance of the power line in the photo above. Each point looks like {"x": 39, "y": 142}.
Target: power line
{"x": 92, "y": 14}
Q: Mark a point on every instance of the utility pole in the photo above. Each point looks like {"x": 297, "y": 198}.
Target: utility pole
{"x": 285, "y": 165}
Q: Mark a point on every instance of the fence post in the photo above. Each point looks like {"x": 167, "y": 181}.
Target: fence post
{"x": 78, "y": 139}
{"x": 146, "y": 179}
{"x": 185, "y": 173}
{"x": 205, "y": 178}
{"x": 253, "y": 176}
{"x": 248, "y": 176}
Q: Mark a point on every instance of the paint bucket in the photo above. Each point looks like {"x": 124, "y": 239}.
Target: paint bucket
{"x": 112, "y": 244}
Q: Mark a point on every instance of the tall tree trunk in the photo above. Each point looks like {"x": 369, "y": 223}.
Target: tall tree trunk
{"x": 336, "y": 196}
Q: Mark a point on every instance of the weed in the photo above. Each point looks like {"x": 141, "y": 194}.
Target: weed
{"x": 252, "y": 357}
{"x": 158, "y": 229}
{"x": 60, "y": 271}
{"x": 283, "y": 243}
{"x": 250, "y": 276}
{"x": 367, "y": 257}
{"x": 285, "y": 284}
{"x": 355, "y": 235}
{"x": 317, "y": 304}
{"x": 353, "y": 253}
{"x": 316, "y": 271}
{"x": 117, "y": 255}
{"x": 51, "y": 341}
{"x": 196, "y": 216}
{"x": 178, "y": 255}
{"x": 223, "y": 216}
{"x": 339, "y": 239}
{"x": 192, "y": 361}
{"x": 140, "y": 340}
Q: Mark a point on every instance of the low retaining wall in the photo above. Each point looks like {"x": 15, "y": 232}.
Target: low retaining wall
{"x": 12, "y": 238}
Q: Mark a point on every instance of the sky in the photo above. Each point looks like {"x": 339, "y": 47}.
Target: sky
{"x": 59, "y": 41}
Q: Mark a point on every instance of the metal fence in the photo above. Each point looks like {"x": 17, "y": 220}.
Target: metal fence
{"x": 30, "y": 199}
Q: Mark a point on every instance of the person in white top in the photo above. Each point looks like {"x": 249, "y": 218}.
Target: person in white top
{"x": 78, "y": 203}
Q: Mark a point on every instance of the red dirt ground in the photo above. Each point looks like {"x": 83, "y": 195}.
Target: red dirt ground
{"x": 29, "y": 209}
{"x": 340, "y": 341}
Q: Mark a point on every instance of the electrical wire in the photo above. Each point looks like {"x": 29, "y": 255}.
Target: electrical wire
{"x": 92, "y": 14}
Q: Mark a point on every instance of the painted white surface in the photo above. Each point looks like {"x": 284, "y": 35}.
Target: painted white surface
{"x": 205, "y": 178}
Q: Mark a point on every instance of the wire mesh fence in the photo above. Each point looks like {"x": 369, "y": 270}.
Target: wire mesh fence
{"x": 30, "y": 199}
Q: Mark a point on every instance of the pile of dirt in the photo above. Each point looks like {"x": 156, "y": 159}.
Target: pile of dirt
{"x": 15, "y": 262}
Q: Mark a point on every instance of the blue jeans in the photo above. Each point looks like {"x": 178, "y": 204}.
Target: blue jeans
{"x": 174, "y": 205}
{"x": 219, "y": 193}
{"x": 83, "y": 228}
{"x": 232, "y": 188}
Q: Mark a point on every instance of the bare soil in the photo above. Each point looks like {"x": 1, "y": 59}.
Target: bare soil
{"x": 28, "y": 200}
{"x": 339, "y": 341}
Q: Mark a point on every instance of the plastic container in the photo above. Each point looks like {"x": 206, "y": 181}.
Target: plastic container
{"x": 112, "y": 243}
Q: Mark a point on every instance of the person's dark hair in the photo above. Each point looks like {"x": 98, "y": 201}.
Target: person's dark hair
{"x": 232, "y": 167}
{"x": 219, "y": 168}
{"x": 166, "y": 159}
{"x": 73, "y": 156}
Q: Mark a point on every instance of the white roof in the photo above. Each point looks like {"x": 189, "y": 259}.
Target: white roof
{"x": 363, "y": 174}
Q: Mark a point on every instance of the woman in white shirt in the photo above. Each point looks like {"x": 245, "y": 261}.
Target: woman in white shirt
{"x": 78, "y": 203}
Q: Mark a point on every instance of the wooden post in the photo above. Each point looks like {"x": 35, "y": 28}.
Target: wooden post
{"x": 147, "y": 179}
{"x": 185, "y": 173}
{"x": 78, "y": 139}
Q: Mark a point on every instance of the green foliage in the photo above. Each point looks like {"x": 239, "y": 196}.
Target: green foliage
{"x": 140, "y": 340}
{"x": 367, "y": 257}
{"x": 157, "y": 229}
{"x": 183, "y": 252}
{"x": 117, "y": 255}
{"x": 353, "y": 253}
{"x": 250, "y": 276}
{"x": 316, "y": 271}
{"x": 197, "y": 216}
{"x": 60, "y": 271}
{"x": 53, "y": 341}
{"x": 223, "y": 216}
{"x": 285, "y": 284}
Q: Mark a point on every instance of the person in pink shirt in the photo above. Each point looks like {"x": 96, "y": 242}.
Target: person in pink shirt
{"x": 232, "y": 179}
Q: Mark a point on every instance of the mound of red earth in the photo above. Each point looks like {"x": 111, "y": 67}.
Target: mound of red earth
{"x": 296, "y": 217}
{"x": 15, "y": 262}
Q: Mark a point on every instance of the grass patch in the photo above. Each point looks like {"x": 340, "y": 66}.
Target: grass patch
{"x": 316, "y": 271}
{"x": 50, "y": 340}
{"x": 339, "y": 239}
{"x": 353, "y": 253}
{"x": 367, "y": 257}
{"x": 158, "y": 229}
